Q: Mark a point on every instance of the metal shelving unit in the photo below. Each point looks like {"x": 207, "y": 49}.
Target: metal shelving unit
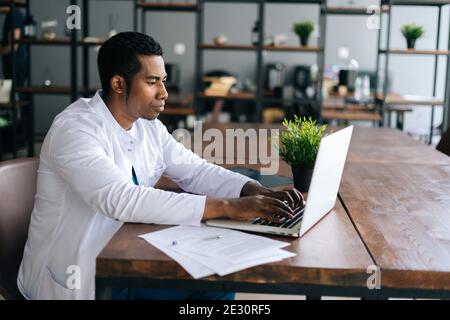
{"x": 181, "y": 108}
{"x": 258, "y": 97}
{"x": 386, "y": 100}
{"x": 73, "y": 43}
{"x": 363, "y": 114}
{"x": 14, "y": 105}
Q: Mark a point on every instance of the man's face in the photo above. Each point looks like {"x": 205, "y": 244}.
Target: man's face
{"x": 148, "y": 92}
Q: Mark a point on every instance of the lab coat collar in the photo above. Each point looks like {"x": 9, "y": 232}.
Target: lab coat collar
{"x": 100, "y": 106}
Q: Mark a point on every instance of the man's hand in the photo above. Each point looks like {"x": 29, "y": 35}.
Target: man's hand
{"x": 247, "y": 208}
{"x": 290, "y": 196}
{"x": 256, "y": 201}
{"x": 252, "y": 207}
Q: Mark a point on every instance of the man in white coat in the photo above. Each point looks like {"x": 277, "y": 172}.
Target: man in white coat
{"x": 98, "y": 165}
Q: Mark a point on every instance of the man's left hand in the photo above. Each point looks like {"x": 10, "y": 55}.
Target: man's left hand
{"x": 292, "y": 197}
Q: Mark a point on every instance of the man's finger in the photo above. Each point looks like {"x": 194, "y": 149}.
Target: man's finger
{"x": 273, "y": 217}
{"x": 297, "y": 196}
{"x": 291, "y": 199}
{"x": 282, "y": 204}
{"x": 281, "y": 208}
{"x": 300, "y": 195}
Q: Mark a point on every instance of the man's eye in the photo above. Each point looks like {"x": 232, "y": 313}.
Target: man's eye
{"x": 151, "y": 83}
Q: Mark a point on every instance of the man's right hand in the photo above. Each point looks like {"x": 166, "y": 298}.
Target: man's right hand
{"x": 267, "y": 208}
{"x": 248, "y": 208}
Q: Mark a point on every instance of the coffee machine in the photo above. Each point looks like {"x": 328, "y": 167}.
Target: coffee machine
{"x": 173, "y": 75}
{"x": 302, "y": 77}
{"x": 275, "y": 77}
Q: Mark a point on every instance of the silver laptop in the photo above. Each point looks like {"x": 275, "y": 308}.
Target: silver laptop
{"x": 322, "y": 193}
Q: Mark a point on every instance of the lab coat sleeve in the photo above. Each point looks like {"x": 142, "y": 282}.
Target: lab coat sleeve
{"x": 194, "y": 174}
{"x": 78, "y": 156}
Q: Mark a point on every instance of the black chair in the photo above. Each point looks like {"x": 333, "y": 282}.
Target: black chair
{"x": 444, "y": 145}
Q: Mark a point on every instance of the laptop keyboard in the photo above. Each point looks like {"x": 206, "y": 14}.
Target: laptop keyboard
{"x": 286, "y": 223}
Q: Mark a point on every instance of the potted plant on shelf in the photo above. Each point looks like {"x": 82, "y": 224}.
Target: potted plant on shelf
{"x": 298, "y": 146}
{"x": 304, "y": 30}
{"x": 412, "y": 32}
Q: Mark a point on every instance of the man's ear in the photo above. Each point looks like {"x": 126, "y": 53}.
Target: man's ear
{"x": 118, "y": 84}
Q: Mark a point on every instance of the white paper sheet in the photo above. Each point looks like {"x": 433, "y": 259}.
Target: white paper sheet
{"x": 205, "y": 250}
{"x": 195, "y": 269}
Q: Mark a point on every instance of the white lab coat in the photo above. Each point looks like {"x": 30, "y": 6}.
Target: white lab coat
{"x": 85, "y": 193}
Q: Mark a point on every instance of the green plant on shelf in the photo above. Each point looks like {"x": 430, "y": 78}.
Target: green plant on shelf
{"x": 303, "y": 30}
{"x": 412, "y": 32}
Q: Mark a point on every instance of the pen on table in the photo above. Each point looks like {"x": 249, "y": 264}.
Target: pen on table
{"x": 219, "y": 236}
{"x": 175, "y": 242}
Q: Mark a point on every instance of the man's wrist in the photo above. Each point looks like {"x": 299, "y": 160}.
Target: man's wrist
{"x": 218, "y": 208}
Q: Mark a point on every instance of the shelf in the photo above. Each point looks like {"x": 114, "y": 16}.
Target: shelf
{"x": 269, "y": 1}
{"x": 5, "y": 5}
{"x": 292, "y": 48}
{"x": 417, "y": 52}
{"x": 352, "y": 10}
{"x": 177, "y": 111}
{"x": 351, "y": 115}
{"x": 245, "y": 47}
{"x": 252, "y": 96}
{"x": 19, "y": 104}
{"x": 60, "y": 42}
{"x": 296, "y": 1}
{"x": 91, "y": 42}
{"x": 268, "y": 99}
{"x": 419, "y": 2}
{"x": 180, "y": 7}
{"x": 231, "y": 96}
{"x": 228, "y": 47}
{"x": 397, "y": 99}
{"x": 327, "y": 105}
{"x": 362, "y": 10}
{"x": 18, "y": 3}
{"x": 50, "y": 90}
{"x": 399, "y": 109}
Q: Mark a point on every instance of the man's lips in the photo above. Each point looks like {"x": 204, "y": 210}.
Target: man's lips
{"x": 159, "y": 108}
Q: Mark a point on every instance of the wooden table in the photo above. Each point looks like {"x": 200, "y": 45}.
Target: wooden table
{"x": 403, "y": 215}
{"x": 382, "y": 145}
{"x": 330, "y": 258}
{"x": 393, "y": 211}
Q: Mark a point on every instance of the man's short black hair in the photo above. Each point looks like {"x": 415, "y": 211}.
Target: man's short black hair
{"x": 119, "y": 56}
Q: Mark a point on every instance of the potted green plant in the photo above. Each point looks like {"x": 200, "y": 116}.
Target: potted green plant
{"x": 303, "y": 30}
{"x": 298, "y": 146}
{"x": 412, "y": 32}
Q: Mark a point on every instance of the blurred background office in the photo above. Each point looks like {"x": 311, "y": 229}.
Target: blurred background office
{"x": 238, "y": 62}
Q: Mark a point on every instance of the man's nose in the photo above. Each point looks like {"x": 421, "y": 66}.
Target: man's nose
{"x": 162, "y": 94}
